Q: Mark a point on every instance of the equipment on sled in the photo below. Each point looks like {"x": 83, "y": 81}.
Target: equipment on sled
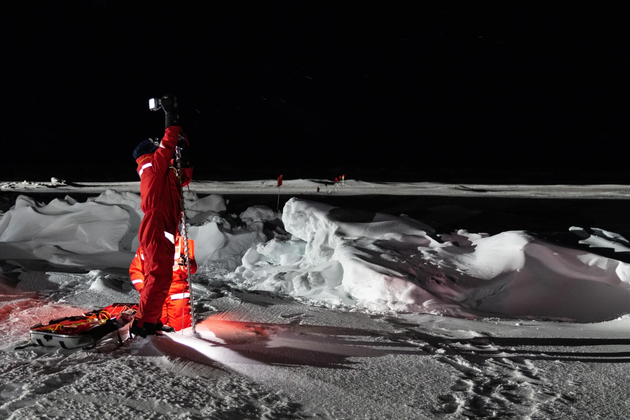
{"x": 84, "y": 330}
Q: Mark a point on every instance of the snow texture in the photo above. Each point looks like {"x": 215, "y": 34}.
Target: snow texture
{"x": 314, "y": 310}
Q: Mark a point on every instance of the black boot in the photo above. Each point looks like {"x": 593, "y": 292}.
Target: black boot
{"x": 151, "y": 329}
{"x": 146, "y": 329}
{"x": 164, "y": 328}
{"x": 136, "y": 330}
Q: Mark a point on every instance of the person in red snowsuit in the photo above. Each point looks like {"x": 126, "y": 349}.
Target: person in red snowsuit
{"x": 176, "y": 308}
{"x": 161, "y": 203}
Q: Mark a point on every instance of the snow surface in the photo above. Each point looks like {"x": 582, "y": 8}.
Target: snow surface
{"x": 312, "y": 310}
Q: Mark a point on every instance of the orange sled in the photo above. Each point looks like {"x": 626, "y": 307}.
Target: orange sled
{"x": 84, "y": 330}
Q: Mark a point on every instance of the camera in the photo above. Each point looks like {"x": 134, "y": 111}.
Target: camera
{"x": 155, "y": 104}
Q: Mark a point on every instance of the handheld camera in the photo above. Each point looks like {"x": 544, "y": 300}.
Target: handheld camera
{"x": 155, "y": 104}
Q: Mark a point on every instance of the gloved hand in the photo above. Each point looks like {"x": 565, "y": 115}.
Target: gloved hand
{"x": 170, "y": 107}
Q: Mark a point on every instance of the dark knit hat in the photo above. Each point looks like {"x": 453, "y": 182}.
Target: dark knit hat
{"x": 146, "y": 146}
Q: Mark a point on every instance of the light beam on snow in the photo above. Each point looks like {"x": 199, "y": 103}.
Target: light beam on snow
{"x": 207, "y": 343}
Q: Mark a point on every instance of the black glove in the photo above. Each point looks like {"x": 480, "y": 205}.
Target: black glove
{"x": 170, "y": 107}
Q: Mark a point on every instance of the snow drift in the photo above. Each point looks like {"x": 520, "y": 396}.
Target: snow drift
{"x": 384, "y": 263}
{"x": 337, "y": 256}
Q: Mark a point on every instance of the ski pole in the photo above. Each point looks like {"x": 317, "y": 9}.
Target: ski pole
{"x": 185, "y": 236}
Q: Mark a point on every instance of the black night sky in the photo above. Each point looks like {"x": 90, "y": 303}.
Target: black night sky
{"x": 408, "y": 90}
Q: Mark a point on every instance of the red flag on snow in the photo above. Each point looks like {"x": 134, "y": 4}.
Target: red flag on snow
{"x": 279, "y": 181}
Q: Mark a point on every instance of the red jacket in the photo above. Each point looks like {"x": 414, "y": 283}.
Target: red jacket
{"x": 159, "y": 184}
{"x": 180, "y": 283}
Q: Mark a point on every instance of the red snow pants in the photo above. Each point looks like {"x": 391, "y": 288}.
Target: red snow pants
{"x": 157, "y": 239}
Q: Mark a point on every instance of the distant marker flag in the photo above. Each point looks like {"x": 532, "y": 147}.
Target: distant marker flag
{"x": 279, "y": 181}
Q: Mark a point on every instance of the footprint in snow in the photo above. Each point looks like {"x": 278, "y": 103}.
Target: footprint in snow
{"x": 486, "y": 384}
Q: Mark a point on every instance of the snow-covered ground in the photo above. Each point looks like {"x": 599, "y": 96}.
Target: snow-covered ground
{"x": 312, "y": 309}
